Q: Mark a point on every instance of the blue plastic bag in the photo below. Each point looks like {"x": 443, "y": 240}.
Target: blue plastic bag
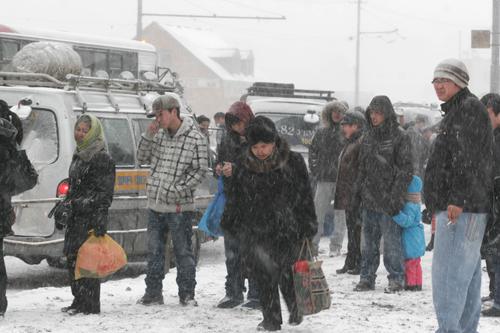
{"x": 210, "y": 221}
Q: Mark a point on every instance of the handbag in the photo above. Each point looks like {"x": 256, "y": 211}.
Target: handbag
{"x": 311, "y": 289}
{"x": 21, "y": 176}
{"x": 99, "y": 257}
{"x": 210, "y": 221}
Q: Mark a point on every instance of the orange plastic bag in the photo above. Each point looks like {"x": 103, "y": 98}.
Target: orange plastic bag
{"x": 99, "y": 257}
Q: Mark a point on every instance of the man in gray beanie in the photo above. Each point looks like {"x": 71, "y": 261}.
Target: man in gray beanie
{"x": 458, "y": 186}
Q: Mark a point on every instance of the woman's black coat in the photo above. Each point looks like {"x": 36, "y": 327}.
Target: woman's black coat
{"x": 90, "y": 193}
{"x": 274, "y": 208}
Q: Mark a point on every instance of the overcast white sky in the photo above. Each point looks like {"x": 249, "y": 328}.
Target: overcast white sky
{"x": 313, "y": 47}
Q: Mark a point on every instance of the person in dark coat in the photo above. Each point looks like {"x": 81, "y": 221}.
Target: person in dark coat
{"x": 324, "y": 153}
{"x": 492, "y": 234}
{"x": 9, "y": 135}
{"x": 353, "y": 125}
{"x": 458, "y": 189}
{"x": 384, "y": 174}
{"x": 272, "y": 213}
{"x": 230, "y": 151}
{"x": 91, "y": 186}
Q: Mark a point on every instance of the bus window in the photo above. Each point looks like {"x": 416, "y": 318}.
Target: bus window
{"x": 115, "y": 64}
{"x": 100, "y": 62}
{"x": 9, "y": 49}
{"x": 119, "y": 140}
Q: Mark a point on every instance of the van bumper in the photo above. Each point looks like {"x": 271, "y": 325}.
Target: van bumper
{"x": 32, "y": 250}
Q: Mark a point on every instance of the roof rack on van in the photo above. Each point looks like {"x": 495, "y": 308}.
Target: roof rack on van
{"x": 75, "y": 82}
{"x": 287, "y": 90}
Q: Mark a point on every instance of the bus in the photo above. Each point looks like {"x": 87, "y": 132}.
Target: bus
{"x": 113, "y": 56}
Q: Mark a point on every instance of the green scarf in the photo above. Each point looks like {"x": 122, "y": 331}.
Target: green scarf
{"x": 93, "y": 140}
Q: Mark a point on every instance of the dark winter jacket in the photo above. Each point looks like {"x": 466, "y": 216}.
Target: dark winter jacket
{"x": 324, "y": 151}
{"x": 409, "y": 218}
{"x": 348, "y": 172}
{"x": 274, "y": 206}
{"x": 386, "y": 165}
{"x": 459, "y": 169}
{"x": 8, "y": 134}
{"x": 91, "y": 187}
{"x": 492, "y": 234}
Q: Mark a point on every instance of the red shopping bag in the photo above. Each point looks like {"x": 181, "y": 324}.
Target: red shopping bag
{"x": 99, "y": 257}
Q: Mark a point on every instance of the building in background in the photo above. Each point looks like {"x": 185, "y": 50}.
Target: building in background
{"x": 213, "y": 74}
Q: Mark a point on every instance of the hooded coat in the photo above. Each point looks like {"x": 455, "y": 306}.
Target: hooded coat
{"x": 325, "y": 148}
{"x": 409, "y": 218}
{"x": 460, "y": 168}
{"x": 386, "y": 166}
{"x": 91, "y": 188}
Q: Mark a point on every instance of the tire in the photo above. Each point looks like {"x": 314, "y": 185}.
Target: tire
{"x": 58, "y": 262}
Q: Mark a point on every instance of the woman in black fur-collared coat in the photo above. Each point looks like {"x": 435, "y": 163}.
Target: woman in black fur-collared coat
{"x": 272, "y": 212}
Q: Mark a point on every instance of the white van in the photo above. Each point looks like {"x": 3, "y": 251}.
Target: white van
{"x": 48, "y": 124}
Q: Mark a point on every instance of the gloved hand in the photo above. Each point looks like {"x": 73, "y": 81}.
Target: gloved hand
{"x": 426, "y": 216}
{"x": 99, "y": 230}
{"x": 100, "y": 223}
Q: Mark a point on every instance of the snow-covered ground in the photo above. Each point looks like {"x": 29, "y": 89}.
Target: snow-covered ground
{"x": 37, "y": 293}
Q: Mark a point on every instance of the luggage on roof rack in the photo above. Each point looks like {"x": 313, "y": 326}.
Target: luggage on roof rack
{"x": 287, "y": 90}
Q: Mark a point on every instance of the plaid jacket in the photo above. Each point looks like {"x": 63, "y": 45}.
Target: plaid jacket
{"x": 178, "y": 164}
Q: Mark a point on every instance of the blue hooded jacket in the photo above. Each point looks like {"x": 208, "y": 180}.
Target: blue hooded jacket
{"x": 409, "y": 218}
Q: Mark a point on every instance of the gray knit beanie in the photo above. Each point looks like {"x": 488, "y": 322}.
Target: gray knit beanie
{"x": 454, "y": 70}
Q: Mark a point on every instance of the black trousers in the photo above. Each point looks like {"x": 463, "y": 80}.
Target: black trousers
{"x": 86, "y": 292}
{"x": 3, "y": 281}
{"x": 353, "y": 259}
{"x": 271, "y": 267}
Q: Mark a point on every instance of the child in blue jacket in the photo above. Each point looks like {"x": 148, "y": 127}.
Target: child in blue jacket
{"x": 409, "y": 218}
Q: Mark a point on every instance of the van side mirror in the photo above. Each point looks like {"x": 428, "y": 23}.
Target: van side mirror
{"x": 23, "y": 108}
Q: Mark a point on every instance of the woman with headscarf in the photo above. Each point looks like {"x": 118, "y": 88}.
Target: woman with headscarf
{"x": 91, "y": 185}
{"x": 272, "y": 213}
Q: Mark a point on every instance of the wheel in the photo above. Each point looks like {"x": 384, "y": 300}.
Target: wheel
{"x": 58, "y": 262}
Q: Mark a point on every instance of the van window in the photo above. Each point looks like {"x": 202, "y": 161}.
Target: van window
{"x": 119, "y": 140}
{"x": 40, "y": 138}
{"x": 140, "y": 126}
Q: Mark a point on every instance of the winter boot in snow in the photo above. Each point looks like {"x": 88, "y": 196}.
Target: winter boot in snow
{"x": 253, "y": 304}
{"x": 148, "y": 299}
{"x": 354, "y": 271}
{"x": 393, "y": 287}
{"x": 188, "y": 301}
{"x": 364, "y": 285}
{"x": 342, "y": 270}
{"x": 295, "y": 318}
{"x": 263, "y": 326}
{"x": 491, "y": 312}
{"x": 228, "y": 302}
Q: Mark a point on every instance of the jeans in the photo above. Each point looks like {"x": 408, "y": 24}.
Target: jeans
{"x": 3, "y": 281}
{"x": 325, "y": 192}
{"x": 235, "y": 278}
{"x": 456, "y": 272}
{"x": 376, "y": 225}
{"x": 179, "y": 225}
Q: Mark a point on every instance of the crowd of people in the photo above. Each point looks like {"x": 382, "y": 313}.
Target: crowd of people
{"x": 364, "y": 166}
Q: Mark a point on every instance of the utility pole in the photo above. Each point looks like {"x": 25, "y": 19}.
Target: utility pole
{"x": 139, "y": 20}
{"x": 356, "y": 78}
{"x": 495, "y": 45}
{"x": 140, "y": 14}
{"x": 358, "y": 51}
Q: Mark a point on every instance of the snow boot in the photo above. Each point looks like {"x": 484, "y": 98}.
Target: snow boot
{"x": 148, "y": 299}
{"x": 393, "y": 287}
{"x": 228, "y": 302}
{"x": 263, "y": 326}
{"x": 188, "y": 301}
{"x": 491, "y": 312}
{"x": 364, "y": 285}
{"x": 253, "y": 304}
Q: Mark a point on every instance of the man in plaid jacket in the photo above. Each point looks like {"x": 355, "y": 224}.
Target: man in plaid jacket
{"x": 177, "y": 154}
